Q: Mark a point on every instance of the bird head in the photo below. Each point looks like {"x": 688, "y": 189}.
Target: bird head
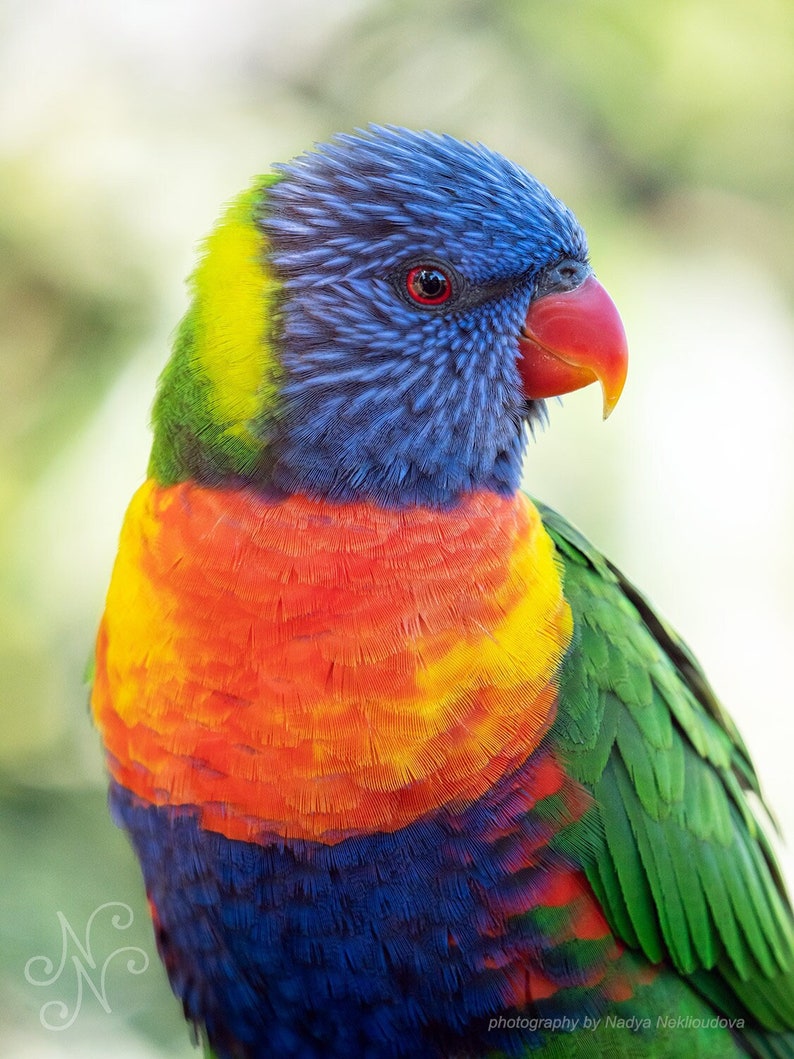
{"x": 382, "y": 319}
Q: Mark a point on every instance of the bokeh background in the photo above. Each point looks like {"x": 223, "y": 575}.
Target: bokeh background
{"x": 669, "y": 128}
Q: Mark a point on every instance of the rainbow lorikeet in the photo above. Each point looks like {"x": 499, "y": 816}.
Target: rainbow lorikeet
{"x": 410, "y": 768}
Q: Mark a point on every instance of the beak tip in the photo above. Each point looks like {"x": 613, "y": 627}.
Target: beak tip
{"x": 610, "y": 403}
{"x": 611, "y": 396}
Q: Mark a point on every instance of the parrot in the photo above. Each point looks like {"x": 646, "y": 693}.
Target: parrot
{"x": 411, "y": 769}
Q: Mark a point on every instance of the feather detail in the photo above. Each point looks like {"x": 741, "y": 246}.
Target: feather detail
{"x": 671, "y": 845}
{"x": 305, "y": 669}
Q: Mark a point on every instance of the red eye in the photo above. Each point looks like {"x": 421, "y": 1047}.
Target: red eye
{"x": 428, "y": 285}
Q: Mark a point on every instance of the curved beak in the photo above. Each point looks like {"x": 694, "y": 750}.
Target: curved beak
{"x": 570, "y": 339}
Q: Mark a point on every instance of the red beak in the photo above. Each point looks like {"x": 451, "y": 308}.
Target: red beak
{"x": 571, "y": 339}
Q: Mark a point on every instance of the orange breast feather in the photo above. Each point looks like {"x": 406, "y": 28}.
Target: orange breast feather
{"x": 313, "y": 670}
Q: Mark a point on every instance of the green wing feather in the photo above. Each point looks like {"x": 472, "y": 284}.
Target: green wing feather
{"x": 671, "y": 845}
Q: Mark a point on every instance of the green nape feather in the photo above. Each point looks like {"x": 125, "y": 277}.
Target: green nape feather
{"x": 671, "y": 847}
{"x": 221, "y": 381}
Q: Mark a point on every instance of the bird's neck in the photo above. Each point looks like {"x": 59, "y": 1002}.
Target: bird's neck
{"x": 394, "y": 462}
{"x": 337, "y": 450}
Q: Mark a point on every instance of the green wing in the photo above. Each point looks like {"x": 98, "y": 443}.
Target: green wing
{"x": 671, "y": 845}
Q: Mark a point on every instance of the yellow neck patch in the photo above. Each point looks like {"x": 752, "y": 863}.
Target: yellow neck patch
{"x": 235, "y": 302}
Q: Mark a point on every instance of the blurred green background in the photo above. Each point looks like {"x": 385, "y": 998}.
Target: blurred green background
{"x": 668, "y": 128}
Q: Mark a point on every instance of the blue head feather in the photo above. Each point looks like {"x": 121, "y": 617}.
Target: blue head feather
{"x": 385, "y": 399}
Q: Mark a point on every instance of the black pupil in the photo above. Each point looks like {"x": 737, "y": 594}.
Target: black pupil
{"x": 430, "y": 283}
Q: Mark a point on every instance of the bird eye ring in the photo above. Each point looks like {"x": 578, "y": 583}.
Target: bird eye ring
{"x": 428, "y": 285}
